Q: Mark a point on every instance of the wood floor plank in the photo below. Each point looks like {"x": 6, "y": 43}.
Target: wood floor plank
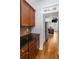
{"x": 50, "y": 50}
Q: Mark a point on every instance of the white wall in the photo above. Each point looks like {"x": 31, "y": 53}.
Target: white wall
{"x": 39, "y": 22}
{"x": 31, "y": 2}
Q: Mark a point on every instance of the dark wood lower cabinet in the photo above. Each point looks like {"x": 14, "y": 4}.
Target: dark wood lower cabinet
{"x": 24, "y": 52}
{"x": 33, "y": 49}
{"x": 24, "y": 56}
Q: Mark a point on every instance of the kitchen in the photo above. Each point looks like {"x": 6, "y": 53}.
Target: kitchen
{"x": 32, "y": 26}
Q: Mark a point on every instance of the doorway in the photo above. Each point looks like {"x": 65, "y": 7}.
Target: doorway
{"x": 46, "y": 31}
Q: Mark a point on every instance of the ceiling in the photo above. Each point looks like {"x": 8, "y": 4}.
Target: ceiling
{"x": 46, "y": 2}
{"x": 43, "y": 3}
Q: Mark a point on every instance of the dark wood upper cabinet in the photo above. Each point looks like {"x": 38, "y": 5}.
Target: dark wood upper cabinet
{"x": 32, "y": 17}
{"x": 27, "y": 14}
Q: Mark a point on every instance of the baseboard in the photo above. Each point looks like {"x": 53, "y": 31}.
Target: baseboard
{"x": 41, "y": 48}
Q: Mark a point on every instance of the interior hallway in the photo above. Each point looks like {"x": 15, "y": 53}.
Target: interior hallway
{"x": 50, "y": 50}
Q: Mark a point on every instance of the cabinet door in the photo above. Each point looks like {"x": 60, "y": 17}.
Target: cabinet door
{"x": 31, "y": 49}
{"x": 36, "y": 47}
{"x": 32, "y": 17}
{"x": 24, "y": 52}
{"x": 31, "y": 54}
{"x": 24, "y": 56}
{"x": 37, "y": 42}
{"x": 25, "y": 13}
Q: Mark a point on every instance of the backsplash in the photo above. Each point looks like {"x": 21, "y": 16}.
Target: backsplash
{"x": 24, "y": 31}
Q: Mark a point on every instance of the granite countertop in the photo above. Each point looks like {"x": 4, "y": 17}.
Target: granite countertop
{"x": 27, "y": 38}
{"x": 34, "y": 35}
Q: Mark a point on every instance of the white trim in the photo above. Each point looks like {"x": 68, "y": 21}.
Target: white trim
{"x": 50, "y": 8}
{"x": 40, "y": 48}
{"x": 51, "y": 4}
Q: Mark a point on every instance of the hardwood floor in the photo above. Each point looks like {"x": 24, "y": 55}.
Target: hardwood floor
{"x": 50, "y": 50}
